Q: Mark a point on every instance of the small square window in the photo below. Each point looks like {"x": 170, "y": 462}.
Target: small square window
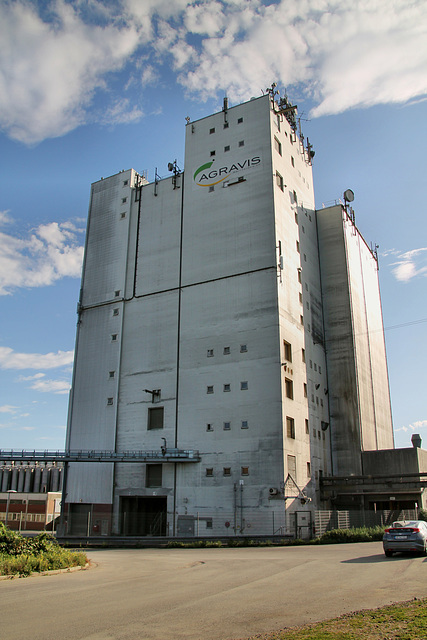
{"x": 243, "y": 348}
{"x": 115, "y": 312}
{"x": 288, "y": 351}
{"x": 113, "y": 337}
{"x": 227, "y": 471}
{"x": 209, "y": 427}
{"x": 209, "y": 353}
{"x": 241, "y": 143}
{"x": 245, "y": 424}
{"x": 307, "y": 428}
{"x": 227, "y": 387}
{"x": 227, "y": 147}
{"x": 212, "y": 153}
{"x": 122, "y": 216}
{"x": 239, "y": 120}
{"x": 244, "y": 385}
{"x": 117, "y": 293}
{"x": 110, "y": 401}
{"x": 226, "y": 351}
{"x": 227, "y": 426}
{"x": 124, "y": 200}
{"x": 245, "y": 471}
{"x": 209, "y": 524}
{"x": 211, "y": 188}
{"x": 226, "y": 125}
{"x": 209, "y": 389}
{"x": 111, "y": 374}
{"x": 125, "y": 183}
{"x": 212, "y": 130}
{"x": 209, "y": 472}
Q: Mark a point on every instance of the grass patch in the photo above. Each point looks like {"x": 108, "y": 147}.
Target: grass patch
{"x": 22, "y": 556}
{"x": 403, "y": 621}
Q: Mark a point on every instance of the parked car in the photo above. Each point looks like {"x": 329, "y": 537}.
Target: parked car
{"x": 406, "y": 536}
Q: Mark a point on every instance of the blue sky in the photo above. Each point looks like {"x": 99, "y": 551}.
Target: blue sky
{"x": 88, "y": 88}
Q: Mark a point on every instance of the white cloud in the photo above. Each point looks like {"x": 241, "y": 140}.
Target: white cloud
{"x": 408, "y": 264}
{"x": 51, "y": 251}
{"x": 10, "y": 359}
{"x": 415, "y": 426}
{"x": 8, "y": 408}
{"x": 340, "y": 53}
{"x": 49, "y": 71}
{"x": 122, "y": 112}
{"x": 51, "y": 386}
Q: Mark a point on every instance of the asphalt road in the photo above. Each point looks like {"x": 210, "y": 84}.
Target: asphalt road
{"x": 205, "y": 594}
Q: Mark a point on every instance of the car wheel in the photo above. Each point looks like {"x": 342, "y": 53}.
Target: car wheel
{"x": 388, "y": 553}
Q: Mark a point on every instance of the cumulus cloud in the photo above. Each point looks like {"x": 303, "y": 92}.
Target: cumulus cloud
{"x": 415, "y": 426}
{"x": 408, "y": 264}
{"x": 340, "y": 53}
{"x": 39, "y": 382}
{"x": 50, "y": 252}
{"x": 8, "y": 408}
{"x": 50, "y": 70}
{"x": 10, "y": 359}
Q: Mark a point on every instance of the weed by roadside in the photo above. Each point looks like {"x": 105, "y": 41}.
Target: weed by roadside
{"x": 21, "y": 555}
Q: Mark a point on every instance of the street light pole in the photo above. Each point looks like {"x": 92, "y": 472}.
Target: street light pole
{"x": 8, "y": 502}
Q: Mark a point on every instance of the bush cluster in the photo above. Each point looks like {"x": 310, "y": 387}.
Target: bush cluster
{"x": 359, "y": 534}
{"x": 24, "y": 555}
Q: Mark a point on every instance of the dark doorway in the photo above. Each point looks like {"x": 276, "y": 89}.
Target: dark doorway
{"x": 79, "y": 519}
{"x": 143, "y": 516}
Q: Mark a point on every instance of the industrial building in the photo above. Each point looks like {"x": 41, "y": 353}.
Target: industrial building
{"x": 230, "y": 350}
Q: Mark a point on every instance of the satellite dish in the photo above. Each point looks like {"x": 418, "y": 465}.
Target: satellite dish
{"x": 348, "y": 195}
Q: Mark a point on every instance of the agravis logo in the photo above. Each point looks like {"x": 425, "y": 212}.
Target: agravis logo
{"x": 206, "y": 176}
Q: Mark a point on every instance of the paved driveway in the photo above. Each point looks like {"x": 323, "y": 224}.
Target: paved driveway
{"x": 205, "y": 594}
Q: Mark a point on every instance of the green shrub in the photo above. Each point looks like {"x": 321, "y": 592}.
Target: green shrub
{"x": 359, "y": 534}
{"x": 23, "y": 555}
{"x": 422, "y": 515}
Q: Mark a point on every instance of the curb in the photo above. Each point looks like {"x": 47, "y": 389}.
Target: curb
{"x": 52, "y": 572}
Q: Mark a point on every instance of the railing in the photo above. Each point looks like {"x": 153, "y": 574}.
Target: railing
{"x": 161, "y": 455}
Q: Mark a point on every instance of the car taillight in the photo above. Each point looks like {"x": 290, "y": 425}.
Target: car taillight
{"x": 386, "y": 530}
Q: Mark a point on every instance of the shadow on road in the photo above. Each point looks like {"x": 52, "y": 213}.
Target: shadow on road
{"x": 381, "y": 558}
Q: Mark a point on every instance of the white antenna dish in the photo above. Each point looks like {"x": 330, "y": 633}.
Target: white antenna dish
{"x": 348, "y": 195}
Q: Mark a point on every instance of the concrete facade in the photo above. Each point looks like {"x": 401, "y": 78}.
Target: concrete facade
{"x": 207, "y": 306}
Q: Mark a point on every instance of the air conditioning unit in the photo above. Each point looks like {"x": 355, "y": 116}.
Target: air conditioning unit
{"x": 273, "y": 491}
